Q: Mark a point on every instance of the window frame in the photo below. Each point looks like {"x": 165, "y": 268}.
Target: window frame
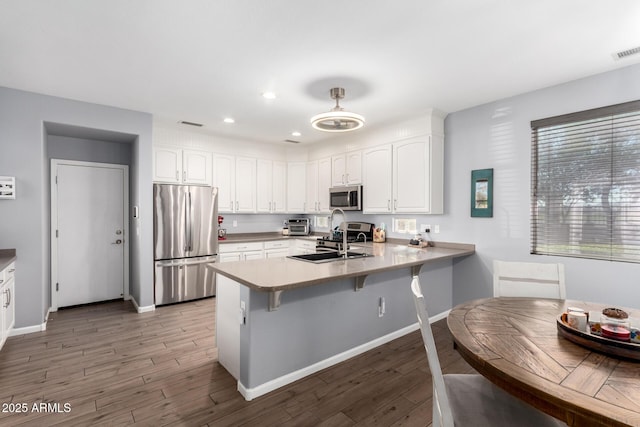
{"x": 556, "y": 246}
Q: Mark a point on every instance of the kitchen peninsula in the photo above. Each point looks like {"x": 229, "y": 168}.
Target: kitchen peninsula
{"x": 281, "y": 319}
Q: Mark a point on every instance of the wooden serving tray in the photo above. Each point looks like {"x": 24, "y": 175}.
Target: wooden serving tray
{"x": 604, "y": 345}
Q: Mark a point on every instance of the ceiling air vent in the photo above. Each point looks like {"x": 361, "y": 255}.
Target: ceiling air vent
{"x": 626, "y": 53}
{"x": 292, "y": 141}
{"x": 183, "y": 122}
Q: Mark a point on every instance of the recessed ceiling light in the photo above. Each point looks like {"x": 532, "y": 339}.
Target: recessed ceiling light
{"x": 269, "y": 95}
{"x": 296, "y": 133}
{"x": 229, "y": 120}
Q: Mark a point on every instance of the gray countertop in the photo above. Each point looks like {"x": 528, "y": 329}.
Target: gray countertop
{"x": 279, "y": 274}
{"x": 7, "y": 256}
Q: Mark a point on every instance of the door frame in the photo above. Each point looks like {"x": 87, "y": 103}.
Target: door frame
{"x": 54, "y": 221}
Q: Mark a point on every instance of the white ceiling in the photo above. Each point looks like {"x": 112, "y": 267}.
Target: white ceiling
{"x": 203, "y": 60}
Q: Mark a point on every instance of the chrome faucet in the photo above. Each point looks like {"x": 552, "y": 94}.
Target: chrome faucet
{"x": 364, "y": 236}
{"x": 344, "y": 231}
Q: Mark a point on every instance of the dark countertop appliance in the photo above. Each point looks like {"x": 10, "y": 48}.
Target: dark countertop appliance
{"x": 356, "y": 232}
{"x": 299, "y": 226}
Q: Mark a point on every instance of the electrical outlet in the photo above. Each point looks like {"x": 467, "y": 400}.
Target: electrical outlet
{"x": 425, "y": 228}
{"x": 436, "y": 229}
{"x": 381, "y": 307}
{"x": 235, "y": 223}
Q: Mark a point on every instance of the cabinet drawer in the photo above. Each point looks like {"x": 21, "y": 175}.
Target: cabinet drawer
{"x": 240, "y": 247}
{"x": 277, "y": 244}
{"x": 305, "y": 244}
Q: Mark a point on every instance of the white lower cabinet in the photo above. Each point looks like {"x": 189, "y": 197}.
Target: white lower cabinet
{"x": 240, "y": 251}
{"x": 7, "y": 302}
{"x": 276, "y": 248}
{"x": 303, "y": 246}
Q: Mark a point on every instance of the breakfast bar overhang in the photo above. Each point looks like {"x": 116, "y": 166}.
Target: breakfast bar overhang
{"x": 280, "y": 319}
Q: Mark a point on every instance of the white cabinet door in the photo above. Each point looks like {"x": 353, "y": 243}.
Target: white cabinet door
{"x": 296, "y": 186}
{"x": 347, "y": 168}
{"x": 353, "y": 168}
{"x": 303, "y": 246}
{"x": 224, "y": 179}
{"x": 167, "y": 165}
{"x": 176, "y": 166}
{"x": 279, "y": 195}
{"x": 264, "y": 186}
{"x": 245, "y": 185}
{"x": 271, "y": 186}
{"x": 7, "y": 302}
{"x": 411, "y": 176}
{"x": 338, "y": 170}
{"x": 276, "y": 253}
{"x": 376, "y": 180}
{"x": 324, "y": 183}
{"x": 196, "y": 167}
{"x": 312, "y": 187}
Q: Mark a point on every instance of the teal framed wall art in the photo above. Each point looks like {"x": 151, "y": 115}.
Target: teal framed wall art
{"x": 482, "y": 193}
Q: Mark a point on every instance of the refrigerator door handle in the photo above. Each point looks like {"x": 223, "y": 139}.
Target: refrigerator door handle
{"x": 190, "y": 223}
{"x": 186, "y": 224}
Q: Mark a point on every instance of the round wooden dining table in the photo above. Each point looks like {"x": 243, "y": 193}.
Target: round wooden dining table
{"x": 514, "y": 342}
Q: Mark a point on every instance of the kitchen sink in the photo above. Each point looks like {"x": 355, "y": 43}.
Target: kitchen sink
{"x": 320, "y": 257}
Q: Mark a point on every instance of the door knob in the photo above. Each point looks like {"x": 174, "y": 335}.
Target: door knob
{"x": 117, "y": 242}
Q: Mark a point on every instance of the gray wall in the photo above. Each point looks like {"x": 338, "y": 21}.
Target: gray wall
{"x": 318, "y": 322}
{"x": 24, "y": 222}
{"x": 88, "y": 150}
{"x": 497, "y": 135}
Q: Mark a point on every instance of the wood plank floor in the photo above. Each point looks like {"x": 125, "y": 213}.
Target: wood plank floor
{"x": 105, "y": 364}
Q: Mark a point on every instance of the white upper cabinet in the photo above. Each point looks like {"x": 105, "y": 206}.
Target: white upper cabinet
{"x": 224, "y": 172}
{"x": 404, "y": 177}
{"x": 347, "y": 168}
{"x": 376, "y": 176}
{"x": 296, "y": 187}
{"x": 167, "y": 165}
{"x": 324, "y": 183}
{"x": 318, "y": 184}
{"x": 311, "y": 189}
{"x": 177, "y": 166}
{"x": 196, "y": 167}
{"x": 271, "y": 186}
{"x": 279, "y": 193}
{"x": 245, "y": 185}
{"x": 235, "y": 178}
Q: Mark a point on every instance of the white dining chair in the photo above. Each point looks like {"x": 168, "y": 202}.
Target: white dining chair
{"x": 528, "y": 279}
{"x": 470, "y": 399}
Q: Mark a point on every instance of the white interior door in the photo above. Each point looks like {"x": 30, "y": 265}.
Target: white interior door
{"x": 89, "y": 232}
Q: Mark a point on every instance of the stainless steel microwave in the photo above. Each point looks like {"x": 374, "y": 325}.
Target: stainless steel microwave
{"x": 346, "y": 198}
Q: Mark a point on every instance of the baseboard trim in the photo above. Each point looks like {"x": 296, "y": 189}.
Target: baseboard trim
{"x": 28, "y": 330}
{"x": 143, "y": 309}
{"x": 254, "y": 392}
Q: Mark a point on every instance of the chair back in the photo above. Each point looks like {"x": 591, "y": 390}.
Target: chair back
{"x": 442, "y": 415}
{"x": 528, "y": 279}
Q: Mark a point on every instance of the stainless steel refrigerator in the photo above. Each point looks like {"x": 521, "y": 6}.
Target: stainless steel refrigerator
{"x": 185, "y": 234}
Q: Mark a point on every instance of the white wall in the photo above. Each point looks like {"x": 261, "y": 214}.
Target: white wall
{"x": 497, "y": 135}
{"x": 24, "y": 222}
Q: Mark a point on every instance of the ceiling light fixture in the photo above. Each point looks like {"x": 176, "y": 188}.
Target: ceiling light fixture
{"x": 269, "y": 95}
{"x": 296, "y": 133}
{"x": 337, "y": 120}
{"x": 229, "y": 120}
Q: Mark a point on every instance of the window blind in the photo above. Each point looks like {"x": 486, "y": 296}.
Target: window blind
{"x": 585, "y": 196}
